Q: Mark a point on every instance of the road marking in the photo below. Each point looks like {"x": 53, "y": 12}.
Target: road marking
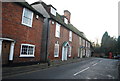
{"x": 94, "y": 64}
{"x": 81, "y": 71}
{"x": 110, "y": 76}
{"x": 100, "y": 61}
{"x": 95, "y": 78}
{"x": 88, "y": 78}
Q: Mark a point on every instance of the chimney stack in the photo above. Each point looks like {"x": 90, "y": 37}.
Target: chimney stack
{"x": 67, "y": 14}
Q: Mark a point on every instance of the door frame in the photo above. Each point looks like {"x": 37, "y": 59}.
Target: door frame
{"x": 11, "y": 47}
{"x": 66, "y": 46}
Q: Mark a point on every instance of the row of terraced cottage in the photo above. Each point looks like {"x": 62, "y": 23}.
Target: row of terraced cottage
{"x": 37, "y": 33}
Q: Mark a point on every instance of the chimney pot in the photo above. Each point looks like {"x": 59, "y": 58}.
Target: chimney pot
{"x": 67, "y": 14}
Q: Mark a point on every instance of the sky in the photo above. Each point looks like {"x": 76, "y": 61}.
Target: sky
{"x": 93, "y": 17}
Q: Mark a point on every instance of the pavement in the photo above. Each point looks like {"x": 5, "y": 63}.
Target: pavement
{"x": 6, "y": 71}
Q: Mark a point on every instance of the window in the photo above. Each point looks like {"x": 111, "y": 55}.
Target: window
{"x": 86, "y": 44}
{"x": 83, "y": 42}
{"x": 80, "y": 41}
{"x": 27, "y": 50}
{"x": 56, "y": 50}
{"x": 53, "y": 11}
{"x": 65, "y": 20}
{"x": 69, "y": 51}
{"x": 27, "y": 17}
{"x": 70, "y": 35}
{"x": 57, "y": 33}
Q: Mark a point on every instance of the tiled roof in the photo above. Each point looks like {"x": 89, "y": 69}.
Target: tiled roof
{"x": 69, "y": 26}
{"x": 57, "y": 18}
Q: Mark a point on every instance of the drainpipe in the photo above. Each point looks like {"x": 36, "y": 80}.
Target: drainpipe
{"x": 45, "y": 41}
{"x": 47, "y": 26}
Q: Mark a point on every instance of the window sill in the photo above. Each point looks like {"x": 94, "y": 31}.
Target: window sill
{"x": 27, "y": 25}
{"x": 56, "y": 56}
{"x": 57, "y": 37}
{"x": 70, "y": 41}
{"x": 26, "y": 56}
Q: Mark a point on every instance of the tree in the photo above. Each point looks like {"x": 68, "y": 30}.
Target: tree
{"x": 108, "y": 44}
{"x": 118, "y": 44}
{"x": 104, "y": 42}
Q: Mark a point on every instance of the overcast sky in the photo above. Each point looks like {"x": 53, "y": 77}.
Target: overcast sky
{"x": 93, "y": 17}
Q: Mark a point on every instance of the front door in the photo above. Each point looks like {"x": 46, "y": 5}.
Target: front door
{"x": 64, "y": 53}
{"x": 79, "y": 52}
{"x": 5, "y": 51}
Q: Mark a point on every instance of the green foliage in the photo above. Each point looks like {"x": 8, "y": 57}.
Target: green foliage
{"x": 118, "y": 44}
{"x": 108, "y": 44}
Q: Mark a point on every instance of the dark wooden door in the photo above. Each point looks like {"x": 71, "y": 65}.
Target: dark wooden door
{"x": 5, "y": 51}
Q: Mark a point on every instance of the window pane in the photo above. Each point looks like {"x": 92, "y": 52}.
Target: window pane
{"x": 25, "y": 12}
{"x": 29, "y": 22}
{"x": 25, "y": 20}
{"x": 29, "y": 14}
{"x": 24, "y": 50}
{"x": 30, "y": 50}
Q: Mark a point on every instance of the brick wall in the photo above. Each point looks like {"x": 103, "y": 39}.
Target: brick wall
{"x": 64, "y": 36}
{"x": 12, "y": 28}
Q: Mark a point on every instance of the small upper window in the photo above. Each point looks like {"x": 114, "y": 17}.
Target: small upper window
{"x": 70, "y": 35}
{"x": 57, "y": 33}
{"x": 27, "y": 17}
{"x": 53, "y": 11}
{"x": 65, "y": 20}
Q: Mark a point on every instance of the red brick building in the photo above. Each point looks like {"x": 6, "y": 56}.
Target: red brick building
{"x": 62, "y": 39}
{"x": 21, "y": 37}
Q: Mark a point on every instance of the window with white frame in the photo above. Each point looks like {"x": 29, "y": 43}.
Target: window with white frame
{"x": 83, "y": 42}
{"x": 65, "y": 20}
{"x": 57, "y": 33}
{"x": 27, "y": 50}
{"x": 27, "y": 17}
{"x": 69, "y": 51}
{"x": 53, "y": 11}
{"x": 86, "y": 44}
{"x": 70, "y": 35}
{"x": 80, "y": 42}
{"x": 56, "y": 50}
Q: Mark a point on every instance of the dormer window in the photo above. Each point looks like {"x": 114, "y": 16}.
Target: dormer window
{"x": 53, "y": 11}
{"x": 65, "y": 20}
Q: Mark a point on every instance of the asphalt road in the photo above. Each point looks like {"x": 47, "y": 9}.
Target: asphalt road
{"x": 94, "y": 68}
